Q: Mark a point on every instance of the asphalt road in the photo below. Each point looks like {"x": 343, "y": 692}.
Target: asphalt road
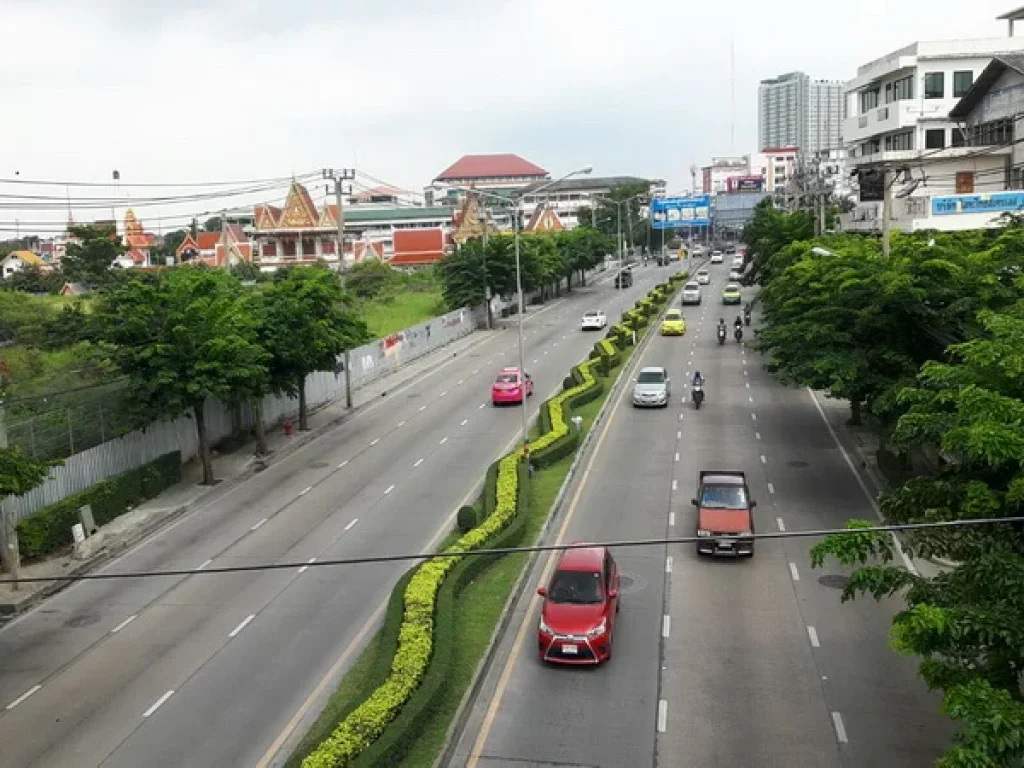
{"x": 212, "y": 670}
{"x": 716, "y": 662}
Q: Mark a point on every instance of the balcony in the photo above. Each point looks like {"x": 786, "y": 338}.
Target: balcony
{"x": 887, "y": 118}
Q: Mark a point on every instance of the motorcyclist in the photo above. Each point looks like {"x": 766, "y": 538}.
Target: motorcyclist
{"x": 738, "y": 322}
{"x": 698, "y": 381}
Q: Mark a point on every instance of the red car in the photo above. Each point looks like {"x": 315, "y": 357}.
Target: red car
{"x": 580, "y": 604}
{"x": 510, "y": 386}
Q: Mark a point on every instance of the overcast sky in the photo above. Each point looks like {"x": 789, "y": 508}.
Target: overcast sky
{"x": 195, "y": 90}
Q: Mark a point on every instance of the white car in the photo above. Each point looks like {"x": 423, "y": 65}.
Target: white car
{"x": 703, "y": 277}
{"x": 735, "y": 275}
{"x": 595, "y": 320}
{"x": 716, "y": 257}
{"x": 737, "y": 262}
{"x": 691, "y": 293}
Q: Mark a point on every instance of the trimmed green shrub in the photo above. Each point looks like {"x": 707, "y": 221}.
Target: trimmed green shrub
{"x": 48, "y": 530}
{"x": 466, "y": 519}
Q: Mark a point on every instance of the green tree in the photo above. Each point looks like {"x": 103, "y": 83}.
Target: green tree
{"x": 19, "y": 474}
{"x": 185, "y": 337}
{"x": 91, "y": 253}
{"x": 213, "y": 224}
{"x": 465, "y": 273}
{"x": 32, "y": 279}
{"x": 304, "y": 328}
{"x": 248, "y": 271}
{"x": 169, "y": 247}
{"x": 370, "y": 279}
{"x": 768, "y": 232}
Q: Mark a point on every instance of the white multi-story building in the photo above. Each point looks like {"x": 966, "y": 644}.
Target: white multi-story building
{"x": 717, "y": 175}
{"x": 568, "y": 196}
{"x": 795, "y": 111}
{"x": 899, "y": 122}
{"x": 778, "y": 166}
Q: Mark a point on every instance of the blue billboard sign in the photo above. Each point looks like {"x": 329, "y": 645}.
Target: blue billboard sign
{"x": 997, "y": 202}
{"x": 681, "y": 212}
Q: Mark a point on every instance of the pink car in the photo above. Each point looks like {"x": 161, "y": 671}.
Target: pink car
{"x": 511, "y": 387}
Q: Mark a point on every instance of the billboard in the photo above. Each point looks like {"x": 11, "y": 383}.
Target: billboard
{"x": 681, "y": 212}
{"x": 746, "y": 183}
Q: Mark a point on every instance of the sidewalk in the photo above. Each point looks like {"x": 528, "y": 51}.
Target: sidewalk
{"x": 229, "y": 468}
{"x": 862, "y": 444}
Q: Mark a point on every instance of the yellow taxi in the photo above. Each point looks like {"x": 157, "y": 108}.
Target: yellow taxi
{"x": 674, "y": 323}
{"x": 731, "y": 294}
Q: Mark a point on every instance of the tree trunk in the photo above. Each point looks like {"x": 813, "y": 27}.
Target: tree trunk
{"x": 260, "y": 428}
{"x": 303, "y": 416}
{"x": 855, "y": 410}
{"x": 204, "y": 443}
{"x": 583, "y": 278}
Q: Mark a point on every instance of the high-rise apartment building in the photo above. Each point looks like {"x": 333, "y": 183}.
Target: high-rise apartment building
{"x": 795, "y": 111}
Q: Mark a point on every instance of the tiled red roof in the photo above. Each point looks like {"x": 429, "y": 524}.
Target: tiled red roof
{"x": 417, "y": 247}
{"x": 137, "y": 256}
{"x": 490, "y": 166}
{"x": 208, "y": 240}
{"x": 362, "y": 247}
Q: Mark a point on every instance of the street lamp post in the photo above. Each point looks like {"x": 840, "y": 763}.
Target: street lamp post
{"x": 519, "y": 282}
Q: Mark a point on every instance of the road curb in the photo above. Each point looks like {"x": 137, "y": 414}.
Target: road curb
{"x": 457, "y": 727}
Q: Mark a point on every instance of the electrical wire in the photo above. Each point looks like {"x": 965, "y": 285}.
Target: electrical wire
{"x": 420, "y": 556}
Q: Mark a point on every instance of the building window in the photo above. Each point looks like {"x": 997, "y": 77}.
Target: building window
{"x": 899, "y": 141}
{"x": 934, "y": 85}
{"x": 903, "y": 88}
{"x": 956, "y": 138}
{"x": 935, "y": 138}
{"x": 962, "y": 82}
{"x": 992, "y": 132}
{"x": 868, "y": 100}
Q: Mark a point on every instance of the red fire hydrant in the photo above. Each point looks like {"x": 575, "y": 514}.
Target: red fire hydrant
{"x": 288, "y": 427}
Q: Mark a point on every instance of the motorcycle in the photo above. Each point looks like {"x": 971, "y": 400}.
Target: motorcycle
{"x": 721, "y": 334}
{"x": 746, "y": 316}
{"x": 697, "y": 396}
{"x": 738, "y": 334}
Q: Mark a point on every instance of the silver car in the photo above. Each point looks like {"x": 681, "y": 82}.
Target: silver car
{"x": 653, "y": 388}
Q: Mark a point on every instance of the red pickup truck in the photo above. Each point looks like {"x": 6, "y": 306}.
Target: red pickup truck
{"x": 725, "y": 514}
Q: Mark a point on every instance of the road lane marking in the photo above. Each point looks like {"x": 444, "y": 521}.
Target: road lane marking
{"x": 666, "y": 625}
{"x": 671, "y": 519}
{"x": 374, "y": 441}
{"x": 771, "y": 488}
{"x": 744, "y": 361}
{"x": 482, "y": 405}
{"x": 204, "y": 564}
{"x": 343, "y": 464}
{"x": 305, "y": 490}
{"x": 464, "y": 422}
{"x": 837, "y": 720}
{"x": 679, "y": 435}
{"x": 763, "y": 459}
{"x": 748, "y": 385}
{"x": 23, "y": 696}
{"x": 443, "y": 440}
{"x": 781, "y": 524}
{"x": 461, "y": 381}
{"x": 680, "y": 417}
{"x": 677, "y": 455}
{"x": 476, "y": 371}
{"x": 662, "y": 715}
{"x": 757, "y": 435}
{"x": 350, "y": 525}
{"x": 794, "y": 572}
{"x": 668, "y": 564}
{"x": 750, "y": 399}
{"x": 244, "y": 623}
{"x": 753, "y": 417}
{"x": 675, "y": 485}
{"x": 303, "y": 568}
{"x": 812, "y": 633}
{"x": 159, "y": 702}
{"x": 860, "y": 481}
{"x": 401, "y": 423}
{"x": 418, "y": 462}
{"x": 124, "y": 623}
{"x": 422, "y": 408}
{"x": 389, "y": 489}
{"x": 257, "y": 526}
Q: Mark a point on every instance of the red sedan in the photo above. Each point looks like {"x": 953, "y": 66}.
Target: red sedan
{"x": 580, "y": 604}
{"x": 511, "y": 387}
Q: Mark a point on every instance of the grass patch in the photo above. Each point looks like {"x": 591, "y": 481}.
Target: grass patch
{"x": 405, "y": 309}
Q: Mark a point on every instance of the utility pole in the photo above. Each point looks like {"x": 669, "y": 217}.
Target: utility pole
{"x": 338, "y": 178}
{"x": 487, "y": 282}
{"x": 886, "y": 211}
{"x": 9, "y": 556}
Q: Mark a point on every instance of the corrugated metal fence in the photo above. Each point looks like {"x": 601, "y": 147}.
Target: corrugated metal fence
{"x": 369, "y": 362}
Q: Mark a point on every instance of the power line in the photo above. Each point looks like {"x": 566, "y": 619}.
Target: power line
{"x": 54, "y": 183}
{"x": 617, "y": 544}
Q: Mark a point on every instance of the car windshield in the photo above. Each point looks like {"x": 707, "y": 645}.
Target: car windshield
{"x": 580, "y": 587}
{"x": 732, "y": 287}
{"x": 508, "y": 378}
{"x": 675, "y": 314}
{"x": 650, "y": 377}
{"x": 591, "y": 314}
{"x": 724, "y": 497}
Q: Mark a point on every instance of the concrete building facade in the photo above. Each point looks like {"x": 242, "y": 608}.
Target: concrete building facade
{"x": 795, "y": 110}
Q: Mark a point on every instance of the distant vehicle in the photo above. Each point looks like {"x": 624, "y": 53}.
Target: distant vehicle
{"x": 577, "y": 619}
{"x": 716, "y": 257}
{"x": 737, "y": 262}
{"x": 735, "y": 274}
{"x": 511, "y": 387}
{"x": 730, "y": 249}
{"x": 653, "y": 388}
{"x": 673, "y": 255}
{"x": 624, "y": 279}
{"x": 674, "y": 323}
{"x": 691, "y": 293}
{"x": 703, "y": 277}
{"x": 725, "y": 514}
{"x": 731, "y": 294}
{"x": 594, "y": 320}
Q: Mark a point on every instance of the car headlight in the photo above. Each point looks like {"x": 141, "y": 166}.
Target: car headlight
{"x": 599, "y": 629}
{"x": 701, "y": 533}
{"x": 545, "y": 628}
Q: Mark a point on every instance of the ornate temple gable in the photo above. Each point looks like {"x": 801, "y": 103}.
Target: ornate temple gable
{"x": 544, "y": 219}
{"x": 299, "y": 211}
{"x": 469, "y": 222}
{"x": 328, "y": 216}
{"x": 267, "y": 216}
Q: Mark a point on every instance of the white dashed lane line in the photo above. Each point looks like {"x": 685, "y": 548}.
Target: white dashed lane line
{"x": 781, "y": 523}
{"x": 662, "y": 715}
{"x": 343, "y": 464}
{"x": 418, "y": 462}
{"x": 124, "y": 624}
{"x": 794, "y": 572}
{"x": 443, "y": 440}
{"x": 244, "y": 623}
{"x": 258, "y": 525}
{"x": 753, "y": 417}
{"x": 483, "y": 405}
{"x": 757, "y": 435}
{"x": 22, "y": 698}
{"x": 837, "y": 720}
{"x": 305, "y": 567}
{"x": 812, "y": 634}
{"x": 159, "y": 702}
{"x": 464, "y": 422}
{"x": 677, "y": 456}
{"x": 422, "y": 408}
{"x": 374, "y": 441}
{"x": 443, "y": 394}
{"x": 351, "y": 525}
{"x": 666, "y": 625}
{"x": 668, "y": 564}
{"x": 204, "y": 564}
{"x": 675, "y": 485}
{"x": 305, "y": 490}
{"x": 401, "y": 423}
{"x": 671, "y": 519}
{"x": 389, "y": 489}
{"x": 764, "y": 459}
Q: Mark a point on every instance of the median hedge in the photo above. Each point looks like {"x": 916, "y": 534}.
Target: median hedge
{"x": 419, "y": 671}
{"x": 48, "y": 530}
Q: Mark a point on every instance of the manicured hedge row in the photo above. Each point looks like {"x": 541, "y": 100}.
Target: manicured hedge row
{"x": 49, "y": 529}
{"x": 420, "y": 669}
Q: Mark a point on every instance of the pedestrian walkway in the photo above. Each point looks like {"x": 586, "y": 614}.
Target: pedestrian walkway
{"x": 230, "y": 469}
